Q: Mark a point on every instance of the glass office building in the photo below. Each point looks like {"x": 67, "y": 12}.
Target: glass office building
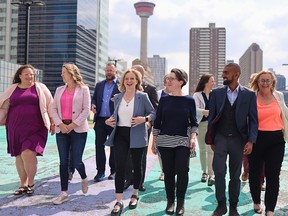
{"x": 61, "y": 31}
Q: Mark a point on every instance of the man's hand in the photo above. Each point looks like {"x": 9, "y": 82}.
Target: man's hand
{"x": 248, "y": 148}
{"x": 93, "y": 108}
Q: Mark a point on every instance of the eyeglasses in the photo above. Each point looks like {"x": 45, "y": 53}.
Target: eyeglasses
{"x": 170, "y": 79}
{"x": 263, "y": 81}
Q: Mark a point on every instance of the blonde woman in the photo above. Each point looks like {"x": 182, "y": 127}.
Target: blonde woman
{"x": 270, "y": 144}
{"x": 132, "y": 110}
{"x": 70, "y": 111}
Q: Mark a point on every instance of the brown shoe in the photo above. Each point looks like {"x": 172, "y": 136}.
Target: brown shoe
{"x": 245, "y": 176}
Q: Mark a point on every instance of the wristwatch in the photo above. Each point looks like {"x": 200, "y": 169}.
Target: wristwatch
{"x": 146, "y": 119}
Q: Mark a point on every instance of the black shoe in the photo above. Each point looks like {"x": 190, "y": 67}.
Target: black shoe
{"x": 220, "y": 210}
{"x": 233, "y": 211}
{"x": 117, "y": 213}
{"x": 180, "y": 209}
{"x": 99, "y": 177}
{"x": 170, "y": 208}
{"x": 142, "y": 188}
{"x": 204, "y": 177}
{"x": 126, "y": 185}
{"x": 111, "y": 176}
{"x": 133, "y": 205}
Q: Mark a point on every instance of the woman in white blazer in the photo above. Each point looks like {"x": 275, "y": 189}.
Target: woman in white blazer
{"x": 70, "y": 111}
{"x": 201, "y": 97}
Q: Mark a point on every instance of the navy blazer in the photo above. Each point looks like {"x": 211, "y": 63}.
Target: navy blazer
{"x": 98, "y": 97}
{"x": 139, "y": 133}
{"x": 246, "y": 113}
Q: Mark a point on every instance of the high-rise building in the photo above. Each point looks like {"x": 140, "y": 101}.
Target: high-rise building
{"x": 281, "y": 82}
{"x": 9, "y": 31}
{"x": 250, "y": 62}
{"x": 61, "y": 31}
{"x": 102, "y": 38}
{"x": 158, "y": 68}
{"x": 207, "y": 54}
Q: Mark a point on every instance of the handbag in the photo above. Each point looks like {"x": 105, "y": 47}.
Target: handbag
{"x": 4, "y": 111}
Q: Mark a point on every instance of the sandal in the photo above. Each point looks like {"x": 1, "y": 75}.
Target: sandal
{"x": 30, "y": 190}
{"x": 133, "y": 205}
{"x": 116, "y": 211}
{"x": 21, "y": 190}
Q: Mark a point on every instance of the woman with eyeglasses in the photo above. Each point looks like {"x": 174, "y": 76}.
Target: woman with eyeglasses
{"x": 174, "y": 135}
{"x": 270, "y": 144}
{"x": 27, "y": 105}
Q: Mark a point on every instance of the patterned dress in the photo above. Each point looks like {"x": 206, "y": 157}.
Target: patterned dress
{"x": 25, "y": 127}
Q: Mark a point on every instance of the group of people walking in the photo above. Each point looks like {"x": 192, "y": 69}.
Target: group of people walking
{"x": 229, "y": 121}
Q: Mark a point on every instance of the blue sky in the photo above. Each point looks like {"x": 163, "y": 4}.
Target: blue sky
{"x": 264, "y": 22}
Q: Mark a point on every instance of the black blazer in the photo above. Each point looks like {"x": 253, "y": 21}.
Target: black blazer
{"x": 246, "y": 113}
{"x": 152, "y": 93}
{"x": 98, "y": 96}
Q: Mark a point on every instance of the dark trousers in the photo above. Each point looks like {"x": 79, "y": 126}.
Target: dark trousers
{"x": 122, "y": 147}
{"x": 102, "y": 131}
{"x": 224, "y": 146}
{"x": 74, "y": 144}
{"x": 129, "y": 165}
{"x": 175, "y": 161}
{"x": 269, "y": 149}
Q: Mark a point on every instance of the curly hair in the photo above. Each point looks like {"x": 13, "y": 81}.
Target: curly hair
{"x": 16, "y": 78}
{"x": 75, "y": 72}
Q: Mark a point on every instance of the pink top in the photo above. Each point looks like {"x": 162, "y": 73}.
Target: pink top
{"x": 66, "y": 104}
{"x": 269, "y": 116}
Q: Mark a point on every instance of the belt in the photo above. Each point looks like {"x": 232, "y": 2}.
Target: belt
{"x": 67, "y": 122}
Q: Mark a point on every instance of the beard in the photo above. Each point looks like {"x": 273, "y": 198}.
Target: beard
{"x": 228, "y": 82}
{"x": 110, "y": 77}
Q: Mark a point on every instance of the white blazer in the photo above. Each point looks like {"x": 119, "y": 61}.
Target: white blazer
{"x": 284, "y": 111}
{"x": 200, "y": 105}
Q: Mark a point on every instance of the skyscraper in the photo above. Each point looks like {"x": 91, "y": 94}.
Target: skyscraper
{"x": 61, "y": 31}
{"x": 158, "y": 68}
{"x": 207, "y": 54}
{"x": 250, "y": 62}
{"x": 9, "y": 31}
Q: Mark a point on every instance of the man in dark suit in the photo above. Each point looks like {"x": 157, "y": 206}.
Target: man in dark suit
{"x": 232, "y": 130}
{"x": 103, "y": 107}
{"x": 152, "y": 94}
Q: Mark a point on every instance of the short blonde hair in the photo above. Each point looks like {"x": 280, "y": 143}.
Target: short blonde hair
{"x": 138, "y": 78}
{"x": 254, "y": 83}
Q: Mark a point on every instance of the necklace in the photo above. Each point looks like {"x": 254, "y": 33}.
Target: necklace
{"x": 128, "y": 100}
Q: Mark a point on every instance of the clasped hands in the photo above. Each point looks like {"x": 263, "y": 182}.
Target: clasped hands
{"x": 65, "y": 129}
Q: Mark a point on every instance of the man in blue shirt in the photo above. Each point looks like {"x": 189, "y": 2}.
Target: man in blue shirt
{"x": 103, "y": 107}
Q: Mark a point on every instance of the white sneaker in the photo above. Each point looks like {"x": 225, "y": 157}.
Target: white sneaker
{"x": 85, "y": 185}
{"x": 63, "y": 197}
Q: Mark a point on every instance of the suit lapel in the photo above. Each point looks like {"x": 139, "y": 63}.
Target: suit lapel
{"x": 137, "y": 99}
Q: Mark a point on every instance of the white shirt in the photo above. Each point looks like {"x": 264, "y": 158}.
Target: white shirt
{"x": 125, "y": 113}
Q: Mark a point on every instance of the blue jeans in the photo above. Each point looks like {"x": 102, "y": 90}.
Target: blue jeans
{"x": 77, "y": 142}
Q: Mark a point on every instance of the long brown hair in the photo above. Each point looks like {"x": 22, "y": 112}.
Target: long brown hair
{"x": 203, "y": 80}
{"x": 16, "y": 78}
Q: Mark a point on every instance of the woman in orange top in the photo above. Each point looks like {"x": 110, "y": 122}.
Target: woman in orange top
{"x": 270, "y": 145}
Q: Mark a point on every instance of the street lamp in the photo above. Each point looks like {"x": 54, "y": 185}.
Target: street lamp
{"x": 27, "y": 5}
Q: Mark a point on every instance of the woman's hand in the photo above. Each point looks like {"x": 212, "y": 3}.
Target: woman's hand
{"x": 52, "y": 129}
{"x": 111, "y": 122}
{"x": 192, "y": 144}
{"x": 205, "y": 113}
{"x": 153, "y": 147}
{"x": 137, "y": 120}
{"x": 63, "y": 128}
{"x": 71, "y": 127}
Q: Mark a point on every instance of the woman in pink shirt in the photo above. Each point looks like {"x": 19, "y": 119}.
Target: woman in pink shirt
{"x": 270, "y": 144}
{"x": 70, "y": 111}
